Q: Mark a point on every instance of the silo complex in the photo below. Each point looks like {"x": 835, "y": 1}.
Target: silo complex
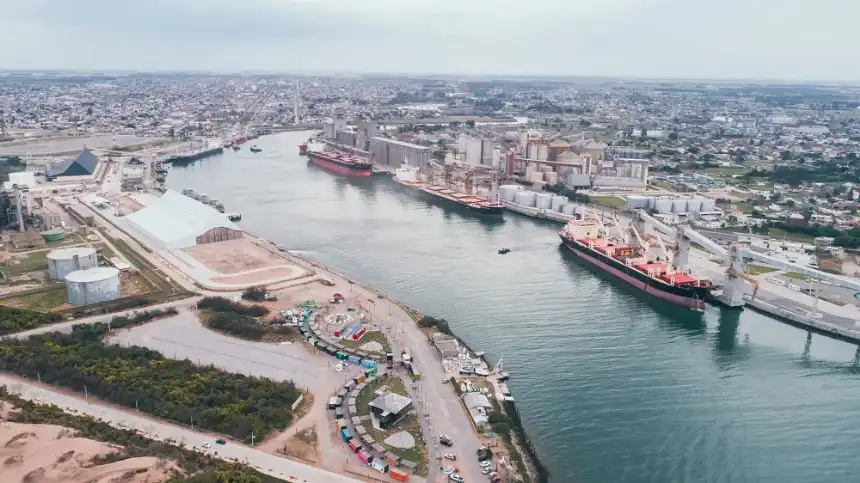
{"x": 67, "y": 260}
{"x": 92, "y": 286}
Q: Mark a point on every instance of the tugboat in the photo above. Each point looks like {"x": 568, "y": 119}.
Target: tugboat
{"x": 504, "y": 251}
{"x": 255, "y": 149}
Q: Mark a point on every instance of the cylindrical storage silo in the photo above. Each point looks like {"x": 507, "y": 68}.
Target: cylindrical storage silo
{"x": 694, "y": 204}
{"x": 652, "y": 202}
{"x": 558, "y": 202}
{"x": 546, "y": 169}
{"x": 507, "y": 191}
{"x": 663, "y": 205}
{"x": 92, "y": 286}
{"x": 67, "y": 260}
{"x": 543, "y": 201}
{"x": 708, "y": 205}
{"x": 637, "y": 202}
{"x": 568, "y": 209}
{"x": 525, "y": 198}
{"x": 551, "y": 178}
{"x": 679, "y": 205}
{"x": 536, "y": 177}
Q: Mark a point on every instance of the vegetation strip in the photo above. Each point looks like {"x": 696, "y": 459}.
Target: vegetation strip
{"x": 216, "y": 401}
{"x": 18, "y": 320}
{"x": 241, "y": 320}
{"x": 196, "y": 467}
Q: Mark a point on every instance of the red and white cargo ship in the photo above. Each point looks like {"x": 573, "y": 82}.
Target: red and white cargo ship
{"x": 341, "y": 162}
{"x": 589, "y": 240}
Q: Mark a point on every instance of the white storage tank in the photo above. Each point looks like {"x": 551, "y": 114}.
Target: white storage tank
{"x": 694, "y": 204}
{"x": 507, "y": 191}
{"x": 525, "y": 198}
{"x": 679, "y": 205}
{"x": 568, "y": 209}
{"x": 544, "y": 201}
{"x": 558, "y": 202}
{"x": 637, "y": 202}
{"x": 67, "y": 260}
{"x": 551, "y": 178}
{"x": 663, "y": 205}
{"x": 92, "y": 286}
{"x": 536, "y": 177}
{"x": 708, "y": 205}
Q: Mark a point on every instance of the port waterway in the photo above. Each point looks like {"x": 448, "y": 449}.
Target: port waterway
{"x": 611, "y": 385}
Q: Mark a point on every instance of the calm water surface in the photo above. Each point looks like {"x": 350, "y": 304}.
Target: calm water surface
{"x": 613, "y": 387}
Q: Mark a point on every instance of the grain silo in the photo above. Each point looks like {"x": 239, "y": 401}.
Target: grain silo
{"x": 67, "y": 260}
{"x": 92, "y": 286}
{"x": 708, "y": 205}
{"x": 536, "y": 177}
{"x": 679, "y": 205}
{"x": 663, "y": 205}
{"x": 558, "y": 202}
{"x": 694, "y": 204}
{"x": 525, "y": 198}
{"x": 637, "y": 202}
{"x": 543, "y": 201}
{"x": 568, "y": 209}
{"x": 551, "y": 178}
{"x": 507, "y": 191}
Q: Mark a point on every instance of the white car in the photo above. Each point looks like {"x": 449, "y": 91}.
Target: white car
{"x": 485, "y": 464}
{"x": 206, "y": 445}
{"x": 449, "y": 456}
{"x": 457, "y": 478}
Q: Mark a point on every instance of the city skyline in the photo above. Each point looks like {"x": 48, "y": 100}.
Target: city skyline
{"x": 667, "y": 39}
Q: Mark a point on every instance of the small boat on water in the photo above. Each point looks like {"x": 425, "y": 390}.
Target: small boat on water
{"x": 255, "y": 149}
{"x": 504, "y": 251}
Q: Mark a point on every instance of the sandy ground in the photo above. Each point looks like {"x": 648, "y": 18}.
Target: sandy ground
{"x": 127, "y": 205}
{"x": 42, "y": 453}
{"x": 235, "y": 256}
{"x": 260, "y": 276}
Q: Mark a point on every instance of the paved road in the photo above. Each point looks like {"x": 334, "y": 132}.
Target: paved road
{"x": 160, "y": 430}
{"x": 66, "y": 327}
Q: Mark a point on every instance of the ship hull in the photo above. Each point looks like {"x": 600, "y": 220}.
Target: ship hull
{"x": 339, "y": 168}
{"x": 495, "y": 211}
{"x": 692, "y": 298}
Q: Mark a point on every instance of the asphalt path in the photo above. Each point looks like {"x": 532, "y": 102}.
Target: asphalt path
{"x": 161, "y": 430}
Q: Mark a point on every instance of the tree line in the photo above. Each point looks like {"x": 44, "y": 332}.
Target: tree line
{"x": 230, "y": 404}
{"x": 196, "y": 467}
{"x": 241, "y": 320}
{"x": 17, "y": 320}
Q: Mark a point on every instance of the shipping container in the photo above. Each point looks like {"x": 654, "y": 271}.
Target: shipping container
{"x": 371, "y": 372}
{"x": 368, "y": 363}
{"x": 341, "y": 424}
{"x": 398, "y": 475}
{"x": 344, "y": 433}
{"x": 355, "y": 447}
{"x": 365, "y": 457}
{"x": 341, "y": 355}
{"x": 380, "y": 466}
{"x": 353, "y": 359}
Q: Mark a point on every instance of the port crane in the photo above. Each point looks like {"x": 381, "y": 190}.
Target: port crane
{"x": 735, "y": 257}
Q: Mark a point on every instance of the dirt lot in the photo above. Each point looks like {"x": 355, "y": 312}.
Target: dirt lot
{"x": 262, "y": 276}
{"x": 52, "y": 454}
{"x": 235, "y": 256}
{"x": 127, "y": 205}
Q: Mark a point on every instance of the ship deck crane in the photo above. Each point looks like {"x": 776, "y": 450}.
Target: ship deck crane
{"x": 735, "y": 257}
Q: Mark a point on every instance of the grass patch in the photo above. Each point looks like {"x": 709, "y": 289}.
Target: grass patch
{"x": 43, "y": 301}
{"x": 29, "y": 262}
{"x": 409, "y": 423}
{"x": 785, "y": 235}
{"x": 795, "y": 275}
{"x": 609, "y": 202}
{"x": 373, "y": 336}
{"x": 759, "y": 269}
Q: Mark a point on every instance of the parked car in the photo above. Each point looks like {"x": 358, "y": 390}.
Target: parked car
{"x": 457, "y": 478}
{"x": 445, "y": 441}
{"x": 449, "y": 456}
{"x": 206, "y": 444}
{"x": 220, "y": 441}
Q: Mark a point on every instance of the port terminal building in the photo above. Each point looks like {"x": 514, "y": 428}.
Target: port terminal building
{"x": 392, "y": 152}
{"x": 176, "y": 221}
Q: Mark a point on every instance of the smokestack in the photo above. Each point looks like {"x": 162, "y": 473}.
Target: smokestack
{"x": 20, "y": 208}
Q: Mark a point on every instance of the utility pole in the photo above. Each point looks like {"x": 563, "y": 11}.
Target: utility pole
{"x": 39, "y": 377}
{"x": 86, "y": 394}
{"x": 136, "y": 407}
{"x": 192, "y": 423}
{"x": 252, "y": 439}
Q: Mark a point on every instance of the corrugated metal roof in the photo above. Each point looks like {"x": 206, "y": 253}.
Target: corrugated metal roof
{"x": 85, "y": 159}
{"x": 176, "y": 220}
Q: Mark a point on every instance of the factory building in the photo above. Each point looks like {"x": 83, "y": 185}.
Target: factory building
{"x": 393, "y": 153}
{"x": 177, "y": 221}
{"x": 84, "y": 164}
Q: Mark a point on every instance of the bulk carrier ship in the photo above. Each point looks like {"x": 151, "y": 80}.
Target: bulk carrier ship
{"x": 330, "y": 158}
{"x": 589, "y": 239}
{"x": 407, "y": 176}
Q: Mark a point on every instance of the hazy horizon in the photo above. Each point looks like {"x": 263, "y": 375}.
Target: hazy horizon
{"x": 766, "y": 40}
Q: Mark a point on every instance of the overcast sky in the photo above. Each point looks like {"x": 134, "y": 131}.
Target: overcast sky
{"x": 749, "y": 39}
